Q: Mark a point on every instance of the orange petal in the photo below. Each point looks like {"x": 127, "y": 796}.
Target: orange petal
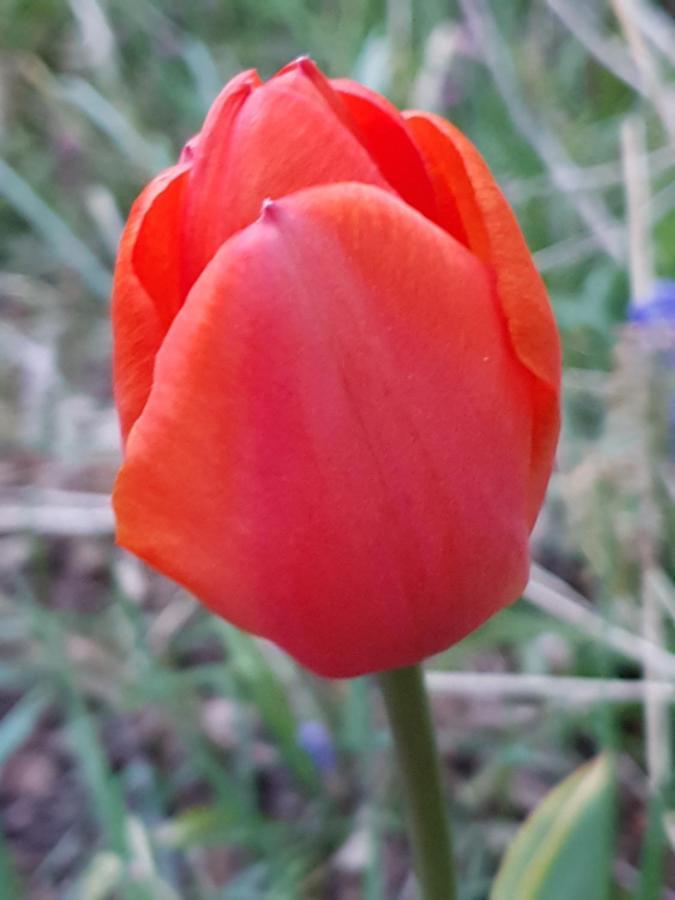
{"x": 494, "y": 235}
{"x": 146, "y": 290}
{"x": 263, "y": 141}
{"x": 384, "y": 133}
{"x": 462, "y": 178}
{"x": 334, "y": 452}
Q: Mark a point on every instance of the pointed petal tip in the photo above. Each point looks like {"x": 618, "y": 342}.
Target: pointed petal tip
{"x": 304, "y": 62}
{"x": 187, "y": 154}
{"x": 247, "y": 87}
{"x": 269, "y": 210}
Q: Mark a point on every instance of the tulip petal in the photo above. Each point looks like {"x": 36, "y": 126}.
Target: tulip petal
{"x": 495, "y": 237}
{"x": 385, "y": 134}
{"x": 146, "y": 290}
{"x": 260, "y": 141}
{"x": 379, "y": 127}
{"x": 305, "y": 73}
{"x": 462, "y": 177}
{"x": 334, "y": 452}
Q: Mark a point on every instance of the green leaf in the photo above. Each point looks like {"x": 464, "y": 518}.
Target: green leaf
{"x": 19, "y": 723}
{"x": 208, "y": 826}
{"x": 654, "y": 851}
{"x": 10, "y": 884}
{"x": 102, "y": 875}
{"x": 270, "y": 698}
{"x": 564, "y": 849}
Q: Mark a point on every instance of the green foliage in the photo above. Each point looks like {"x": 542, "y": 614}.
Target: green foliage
{"x": 271, "y": 699}
{"x": 565, "y": 848}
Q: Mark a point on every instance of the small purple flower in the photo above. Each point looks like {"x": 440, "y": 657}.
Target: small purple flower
{"x": 656, "y": 313}
{"x": 657, "y": 307}
{"x": 315, "y": 739}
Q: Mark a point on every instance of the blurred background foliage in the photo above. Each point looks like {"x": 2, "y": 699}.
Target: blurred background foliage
{"x": 148, "y": 750}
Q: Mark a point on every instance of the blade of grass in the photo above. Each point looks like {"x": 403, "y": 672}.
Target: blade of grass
{"x": 10, "y": 883}
{"x": 653, "y": 853}
{"x": 19, "y": 723}
{"x": 71, "y": 251}
{"x": 104, "y": 789}
{"x": 559, "y": 688}
{"x": 554, "y": 596}
{"x": 494, "y": 48}
{"x": 271, "y": 700}
{"x": 149, "y": 157}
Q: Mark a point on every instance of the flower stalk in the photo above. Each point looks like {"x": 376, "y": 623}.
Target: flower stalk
{"x": 410, "y": 720}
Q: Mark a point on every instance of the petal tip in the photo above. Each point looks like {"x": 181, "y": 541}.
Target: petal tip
{"x": 303, "y": 63}
{"x": 269, "y": 210}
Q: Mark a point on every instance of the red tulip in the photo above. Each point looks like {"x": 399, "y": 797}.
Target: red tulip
{"x": 337, "y": 374}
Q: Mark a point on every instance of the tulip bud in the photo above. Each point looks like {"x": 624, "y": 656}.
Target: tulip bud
{"x": 337, "y": 375}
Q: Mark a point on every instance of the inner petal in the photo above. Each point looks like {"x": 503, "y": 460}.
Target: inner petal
{"x": 268, "y": 141}
{"x": 386, "y": 136}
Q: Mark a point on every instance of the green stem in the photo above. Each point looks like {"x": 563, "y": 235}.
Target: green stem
{"x": 410, "y": 720}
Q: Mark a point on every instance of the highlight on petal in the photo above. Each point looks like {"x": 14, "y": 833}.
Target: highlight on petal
{"x": 264, "y": 140}
{"x": 146, "y": 289}
{"x": 492, "y": 232}
{"x": 321, "y": 458}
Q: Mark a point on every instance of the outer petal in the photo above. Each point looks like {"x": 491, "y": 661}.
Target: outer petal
{"x": 462, "y": 178}
{"x": 260, "y": 141}
{"x": 334, "y": 453}
{"x": 146, "y": 290}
